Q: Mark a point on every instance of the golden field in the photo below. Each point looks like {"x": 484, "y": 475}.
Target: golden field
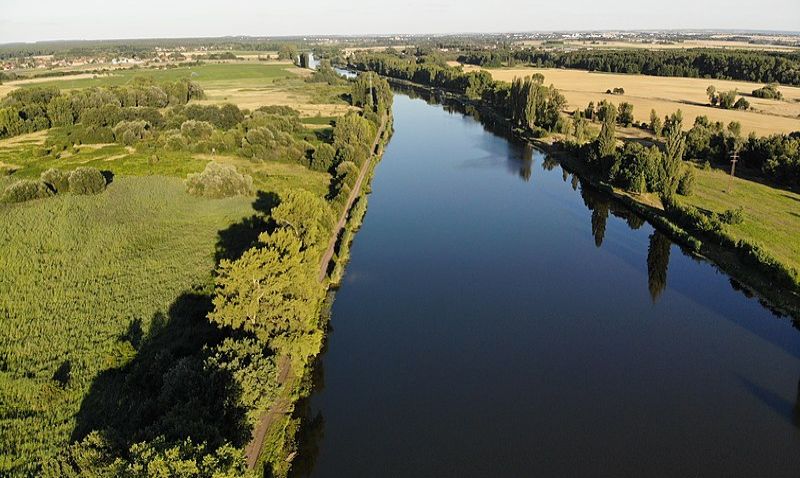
{"x": 622, "y": 44}
{"x": 667, "y": 94}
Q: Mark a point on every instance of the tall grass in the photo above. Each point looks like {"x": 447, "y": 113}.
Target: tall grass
{"x": 77, "y": 272}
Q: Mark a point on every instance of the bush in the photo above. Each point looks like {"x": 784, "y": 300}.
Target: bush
{"x": 25, "y": 190}
{"x": 741, "y": 104}
{"x": 769, "y": 91}
{"x": 219, "y": 181}
{"x": 755, "y": 255}
{"x": 57, "y": 180}
{"x": 732, "y": 216}
{"x": 686, "y": 182}
{"x": 196, "y": 130}
{"x": 131, "y": 132}
{"x": 86, "y": 181}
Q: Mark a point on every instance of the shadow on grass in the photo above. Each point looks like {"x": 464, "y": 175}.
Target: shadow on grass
{"x": 241, "y": 236}
{"x": 168, "y": 389}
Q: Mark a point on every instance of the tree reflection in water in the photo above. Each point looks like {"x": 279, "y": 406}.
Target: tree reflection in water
{"x": 657, "y": 264}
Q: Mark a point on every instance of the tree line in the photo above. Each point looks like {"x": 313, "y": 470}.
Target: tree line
{"x": 745, "y": 65}
{"x": 26, "y": 110}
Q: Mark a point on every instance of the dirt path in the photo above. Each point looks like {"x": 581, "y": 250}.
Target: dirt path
{"x": 326, "y": 258}
{"x": 275, "y": 412}
{"x": 282, "y": 404}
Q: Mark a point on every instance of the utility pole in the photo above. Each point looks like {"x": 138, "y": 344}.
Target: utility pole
{"x": 734, "y": 159}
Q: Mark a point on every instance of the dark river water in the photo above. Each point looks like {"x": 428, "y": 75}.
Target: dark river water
{"x": 499, "y": 319}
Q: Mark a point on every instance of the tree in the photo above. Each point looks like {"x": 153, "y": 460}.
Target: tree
{"x": 674, "y": 147}
{"x": 727, "y": 99}
{"x": 271, "y": 291}
{"x": 711, "y": 91}
{"x": 306, "y": 215}
{"x": 625, "y": 114}
{"x": 655, "y": 123}
{"x": 589, "y": 112}
{"x": 606, "y": 141}
{"x": 60, "y": 112}
{"x": 579, "y": 126}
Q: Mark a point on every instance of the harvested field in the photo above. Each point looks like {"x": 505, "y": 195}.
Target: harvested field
{"x": 667, "y": 94}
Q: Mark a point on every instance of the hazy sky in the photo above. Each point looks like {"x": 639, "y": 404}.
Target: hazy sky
{"x": 30, "y": 20}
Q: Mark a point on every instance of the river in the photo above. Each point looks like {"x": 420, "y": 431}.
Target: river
{"x": 498, "y": 318}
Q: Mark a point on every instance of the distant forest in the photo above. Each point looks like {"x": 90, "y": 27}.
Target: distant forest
{"x": 745, "y": 65}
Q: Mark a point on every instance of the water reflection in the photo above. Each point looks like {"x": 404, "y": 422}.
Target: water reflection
{"x": 311, "y": 430}
{"x": 657, "y": 264}
{"x": 431, "y": 402}
{"x": 599, "y": 205}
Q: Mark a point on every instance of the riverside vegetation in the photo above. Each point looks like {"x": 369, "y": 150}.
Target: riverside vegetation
{"x": 657, "y": 177}
{"x": 161, "y": 262}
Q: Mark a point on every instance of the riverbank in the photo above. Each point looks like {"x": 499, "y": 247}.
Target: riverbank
{"x": 274, "y": 442}
{"x": 753, "y": 278}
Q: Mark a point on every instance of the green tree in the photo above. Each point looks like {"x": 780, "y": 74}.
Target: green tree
{"x": 305, "y": 214}
{"x": 711, "y": 92}
{"x": 271, "y": 291}
{"x": 655, "y": 123}
{"x": 625, "y": 114}
{"x": 674, "y": 148}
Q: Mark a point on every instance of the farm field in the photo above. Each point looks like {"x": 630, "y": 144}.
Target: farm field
{"x": 667, "y": 94}
{"x": 721, "y": 44}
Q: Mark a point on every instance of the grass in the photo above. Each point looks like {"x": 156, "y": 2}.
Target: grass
{"x": 274, "y": 176}
{"x": 248, "y": 85}
{"x": 209, "y": 73}
{"x": 78, "y": 271}
{"x": 772, "y": 216}
{"x": 667, "y": 94}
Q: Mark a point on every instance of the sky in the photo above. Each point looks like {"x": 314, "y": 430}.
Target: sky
{"x": 36, "y": 20}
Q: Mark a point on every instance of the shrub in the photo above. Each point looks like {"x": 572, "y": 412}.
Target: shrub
{"x": 219, "y": 181}
{"x": 86, "y": 181}
{"x": 732, "y": 216}
{"x": 769, "y": 91}
{"x": 755, "y": 255}
{"x": 25, "y": 190}
{"x": 196, "y": 130}
{"x": 686, "y": 182}
{"x": 176, "y": 142}
{"x": 741, "y": 104}
{"x": 131, "y": 132}
{"x": 57, "y": 180}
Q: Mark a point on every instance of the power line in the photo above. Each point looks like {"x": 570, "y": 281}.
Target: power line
{"x": 734, "y": 159}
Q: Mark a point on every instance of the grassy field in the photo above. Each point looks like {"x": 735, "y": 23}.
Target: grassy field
{"x": 667, "y": 94}
{"x": 248, "y": 85}
{"x": 78, "y": 273}
{"x": 772, "y": 216}
{"x": 279, "y": 177}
